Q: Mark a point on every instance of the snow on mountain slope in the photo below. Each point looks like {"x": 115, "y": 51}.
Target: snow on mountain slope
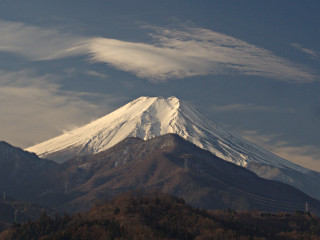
{"x": 147, "y": 117}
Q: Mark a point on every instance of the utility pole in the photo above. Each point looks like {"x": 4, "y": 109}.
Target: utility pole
{"x": 4, "y": 196}
{"x": 15, "y": 215}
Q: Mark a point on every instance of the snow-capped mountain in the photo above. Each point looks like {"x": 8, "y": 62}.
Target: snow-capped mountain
{"x": 148, "y": 117}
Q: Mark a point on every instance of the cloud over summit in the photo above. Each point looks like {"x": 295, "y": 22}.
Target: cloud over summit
{"x": 172, "y": 53}
{"x": 195, "y": 52}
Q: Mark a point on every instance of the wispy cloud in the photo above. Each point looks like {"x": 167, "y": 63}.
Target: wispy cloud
{"x": 307, "y": 156}
{"x": 96, "y": 74}
{"x": 308, "y": 51}
{"x": 34, "y": 108}
{"x": 194, "y": 52}
{"x": 171, "y": 54}
{"x": 38, "y": 43}
{"x": 241, "y": 107}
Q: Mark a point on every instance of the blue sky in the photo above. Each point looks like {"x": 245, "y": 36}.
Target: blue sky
{"x": 252, "y": 66}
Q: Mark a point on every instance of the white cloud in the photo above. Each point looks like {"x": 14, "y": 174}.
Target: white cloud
{"x": 38, "y": 43}
{"x": 241, "y": 107}
{"x": 96, "y": 74}
{"x": 194, "y": 52}
{"x": 34, "y": 109}
{"x": 172, "y": 54}
{"x": 307, "y": 156}
{"x": 308, "y": 51}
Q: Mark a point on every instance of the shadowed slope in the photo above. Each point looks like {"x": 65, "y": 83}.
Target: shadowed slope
{"x": 170, "y": 164}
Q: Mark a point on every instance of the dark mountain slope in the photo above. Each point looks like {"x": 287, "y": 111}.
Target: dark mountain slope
{"x": 171, "y": 164}
{"x": 18, "y": 168}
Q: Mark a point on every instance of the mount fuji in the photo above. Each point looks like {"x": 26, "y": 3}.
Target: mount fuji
{"x": 148, "y": 117}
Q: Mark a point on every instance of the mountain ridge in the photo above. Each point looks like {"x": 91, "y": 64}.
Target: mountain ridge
{"x": 170, "y": 164}
{"x": 167, "y": 163}
{"x": 18, "y": 167}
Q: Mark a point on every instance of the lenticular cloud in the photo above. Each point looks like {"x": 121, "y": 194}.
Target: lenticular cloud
{"x": 171, "y": 54}
{"x": 194, "y": 52}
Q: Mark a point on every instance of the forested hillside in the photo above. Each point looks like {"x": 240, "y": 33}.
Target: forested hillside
{"x": 161, "y": 216}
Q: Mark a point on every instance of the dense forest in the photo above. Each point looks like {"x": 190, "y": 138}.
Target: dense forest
{"x": 139, "y": 216}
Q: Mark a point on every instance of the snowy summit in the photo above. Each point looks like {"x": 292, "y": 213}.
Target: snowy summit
{"x": 148, "y": 117}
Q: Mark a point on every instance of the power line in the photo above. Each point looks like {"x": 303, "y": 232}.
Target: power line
{"x": 270, "y": 202}
{"x": 251, "y": 195}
